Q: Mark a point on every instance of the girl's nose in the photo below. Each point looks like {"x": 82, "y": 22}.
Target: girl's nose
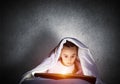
{"x": 69, "y": 59}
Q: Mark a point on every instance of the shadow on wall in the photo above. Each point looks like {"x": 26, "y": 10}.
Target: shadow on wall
{"x": 35, "y": 53}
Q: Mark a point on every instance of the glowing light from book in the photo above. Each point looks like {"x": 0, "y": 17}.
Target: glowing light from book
{"x": 64, "y": 72}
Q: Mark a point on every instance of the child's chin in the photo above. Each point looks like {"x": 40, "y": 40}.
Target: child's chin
{"x": 68, "y": 65}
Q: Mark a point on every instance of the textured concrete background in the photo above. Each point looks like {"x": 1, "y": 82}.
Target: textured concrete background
{"x": 31, "y": 29}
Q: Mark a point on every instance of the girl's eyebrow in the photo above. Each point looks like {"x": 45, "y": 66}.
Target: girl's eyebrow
{"x": 64, "y": 54}
{"x": 74, "y": 54}
{"x": 67, "y": 55}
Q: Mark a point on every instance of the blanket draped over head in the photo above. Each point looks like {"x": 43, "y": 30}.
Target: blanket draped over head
{"x": 87, "y": 62}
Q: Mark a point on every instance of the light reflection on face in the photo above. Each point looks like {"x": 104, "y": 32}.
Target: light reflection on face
{"x": 68, "y": 55}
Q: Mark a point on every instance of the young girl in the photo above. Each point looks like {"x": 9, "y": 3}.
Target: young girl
{"x": 70, "y": 56}
{"x": 68, "y": 61}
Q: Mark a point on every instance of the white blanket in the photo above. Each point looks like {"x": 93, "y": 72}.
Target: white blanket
{"x": 87, "y": 62}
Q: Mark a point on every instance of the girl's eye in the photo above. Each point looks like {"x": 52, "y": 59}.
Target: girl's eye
{"x": 65, "y": 56}
{"x": 72, "y": 56}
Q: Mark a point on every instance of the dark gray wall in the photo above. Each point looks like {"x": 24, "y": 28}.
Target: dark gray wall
{"x": 31, "y": 29}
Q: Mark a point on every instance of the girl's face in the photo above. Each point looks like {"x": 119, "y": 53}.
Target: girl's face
{"x": 68, "y": 55}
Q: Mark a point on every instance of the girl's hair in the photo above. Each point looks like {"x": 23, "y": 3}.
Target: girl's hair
{"x": 70, "y": 44}
{"x": 67, "y": 44}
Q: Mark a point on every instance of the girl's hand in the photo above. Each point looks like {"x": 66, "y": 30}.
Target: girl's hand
{"x": 79, "y": 72}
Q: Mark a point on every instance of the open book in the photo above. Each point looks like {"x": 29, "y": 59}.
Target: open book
{"x": 56, "y": 76}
